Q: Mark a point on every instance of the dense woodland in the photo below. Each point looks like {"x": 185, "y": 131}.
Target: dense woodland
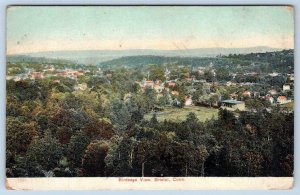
{"x": 54, "y": 130}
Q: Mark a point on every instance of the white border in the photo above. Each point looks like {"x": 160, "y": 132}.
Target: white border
{"x": 4, "y": 3}
{"x": 150, "y": 183}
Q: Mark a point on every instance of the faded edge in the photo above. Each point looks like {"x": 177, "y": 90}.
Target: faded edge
{"x": 138, "y": 183}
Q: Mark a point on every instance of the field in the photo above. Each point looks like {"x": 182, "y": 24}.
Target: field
{"x": 179, "y": 114}
{"x": 288, "y": 106}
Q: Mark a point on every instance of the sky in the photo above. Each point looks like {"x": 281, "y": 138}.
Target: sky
{"x": 55, "y": 28}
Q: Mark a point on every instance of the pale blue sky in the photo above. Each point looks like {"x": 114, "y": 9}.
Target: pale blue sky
{"x": 33, "y": 29}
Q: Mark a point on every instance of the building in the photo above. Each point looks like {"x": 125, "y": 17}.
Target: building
{"x": 158, "y": 88}
{"x": 149, "y": 84}
{"x": 282, "y": 100}
{"x": 273, "y": 92}
{"x": 82, "y": 87}
{"x": 233, "y": 96}
{"x": 188, "y": 101}
{"x": 247, "y": 94}
{"x": 233, "y": 105}
{"x": 171, "y": 84}
{"x": 256, "y": 94}
{"x": 37, "y": 75}
{"x": 286, "y": 87}
{"x": 159, "y": 95}
{"x": 270, "y": 99}
{"x": 292, "y": 77}
{"x": 274, "y": 74}
{"x": 174, "y": 93}
{"x": 229, "y": 83}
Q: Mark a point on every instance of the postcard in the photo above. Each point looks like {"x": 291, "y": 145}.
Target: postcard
{"x": 149, "y": 97}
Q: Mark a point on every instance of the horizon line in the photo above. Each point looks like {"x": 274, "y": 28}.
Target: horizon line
{"x": 154, "y": 49}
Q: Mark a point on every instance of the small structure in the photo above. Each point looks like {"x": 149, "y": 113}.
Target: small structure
{"x": 233, "y": 96}
{"x": 282, "y": 100}
{"x": 188, "y": 101}
{"x": 158, "y": 88}
{"x": 286, "y": 87}
{"x": 81, "y": 87}
{"x": 229, "y": 83}
{"x": 247, "y": 93}
{"x": 292, "y": 77}
{"x": 127, "y": 97}
{"x": 149, "y": 84}
{"x": 171, "y": 84}
{"x": 159, "y": 95}
{"x": 270, "y": 99}
{"x": 274, "y": 74}
{"x": 37, "y": 75}
{"x": 174, "y": 92}
{"x": 233, "y": 105}
{"x": 256, "y": 94}
{"x": 273, "y": 92}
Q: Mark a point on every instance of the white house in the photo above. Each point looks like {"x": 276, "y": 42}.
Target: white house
{"x": 286, "y": 87}
{"x": 270, "y": 99}
{"x": 188, "y": 101}
{"x": 273, "y": 92}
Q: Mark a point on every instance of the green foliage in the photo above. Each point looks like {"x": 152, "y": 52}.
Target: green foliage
{"x": 76, "y": 147}
{"x": 44, "y": 154}
{"x": 116, "y": 128}
{"x": 93, "y": 160}
{"x": 19, "y": 135}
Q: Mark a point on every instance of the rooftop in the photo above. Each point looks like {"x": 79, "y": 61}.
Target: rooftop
{"x": 232, "y": 102}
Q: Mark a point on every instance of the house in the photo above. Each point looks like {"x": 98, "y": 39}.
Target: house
{"x": 233, "y": 75}
{"x": 159, "y": 95}
{"x": 256, "y": 94}
{"x": 270, "y": 99}
{"x": 273, "y": 92}
{"x": 56, "y": 81}
{"x": 201, "y": 70}
{"x": 9, "y": 77}
{"x": 233, "y": 105}
{"x": 176, "y": 102}
{"x": 37, "y": 75}
{"x": 158, "y": 88}
{"x": 174, "y": 93}
{"x": 233, "y": 96}
{"x": 229, "y": 83}
{"x": 149, "y": 84}
{"x": 286, "y": 87}
{"x": 282, "y": 100}
{"x": 274, "y": 74}
{"x": 49, "y": 68}
{"x": 17, "y": 78}
{"x": 291, "y": 77}
{"x": 247, "y": 93}
{"x": 80, "y": 72}
{"x": 171, "y": 84}
{"x": 127, "y": 97}
{"x": 188, "y": 101}
{"x": 82, "y": 87}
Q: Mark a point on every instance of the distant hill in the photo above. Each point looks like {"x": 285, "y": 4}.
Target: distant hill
{"x": 38, "y": 60}
{"x": 98, "y": 56}
{"x": 278, "y": 60}
{"x": 136, "y": 61}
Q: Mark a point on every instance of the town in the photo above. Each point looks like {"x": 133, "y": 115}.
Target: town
{"x": 203, "y": 86}
{"x": 151, "y": 116}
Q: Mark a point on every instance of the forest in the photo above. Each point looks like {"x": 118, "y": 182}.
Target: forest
{"x": 55, "y": 129}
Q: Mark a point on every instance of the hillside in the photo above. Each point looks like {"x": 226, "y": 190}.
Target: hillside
{"x": 98, "y": 56}
{"x": 38, "y": 60}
